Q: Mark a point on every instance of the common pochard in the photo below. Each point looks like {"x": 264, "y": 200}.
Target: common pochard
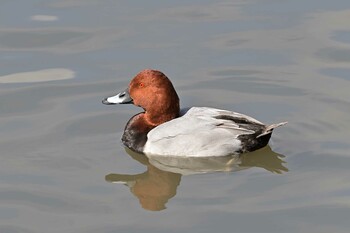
{"x": 165, "y": 129}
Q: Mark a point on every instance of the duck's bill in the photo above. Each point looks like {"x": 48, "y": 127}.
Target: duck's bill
{"x": 121, "y": 98}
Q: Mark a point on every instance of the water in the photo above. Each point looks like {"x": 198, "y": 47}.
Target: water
{"x": 63, "y": 168}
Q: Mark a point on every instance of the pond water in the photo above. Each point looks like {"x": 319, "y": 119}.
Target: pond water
{"x": 63, "y": 168}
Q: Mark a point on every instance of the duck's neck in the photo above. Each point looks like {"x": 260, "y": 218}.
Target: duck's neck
{"x": 160, "y": 115}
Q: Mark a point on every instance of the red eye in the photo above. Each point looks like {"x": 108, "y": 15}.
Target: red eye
{"x": 141, "y": 85}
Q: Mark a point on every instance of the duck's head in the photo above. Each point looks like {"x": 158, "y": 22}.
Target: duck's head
{"x": 153, "y": 91}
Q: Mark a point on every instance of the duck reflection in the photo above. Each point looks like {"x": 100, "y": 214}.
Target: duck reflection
{"x": 159, "y": 182}
{"x": 153, "y": 187}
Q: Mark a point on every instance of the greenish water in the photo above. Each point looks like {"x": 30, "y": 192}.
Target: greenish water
{"x": 63, "y": 168}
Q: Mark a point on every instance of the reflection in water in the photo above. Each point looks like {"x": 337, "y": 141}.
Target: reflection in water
{"x": 264, "y": 158}
{"x": 38, "y": 76}
{"x": 158, "y": 184}
{"x": 153, "y": 188}
{"x": 45, "y": 18}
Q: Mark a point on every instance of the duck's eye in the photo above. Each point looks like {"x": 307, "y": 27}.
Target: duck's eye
{"x": 141, "y": 85}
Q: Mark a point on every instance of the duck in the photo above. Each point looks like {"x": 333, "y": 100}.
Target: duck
{"x": 164, "y": 129}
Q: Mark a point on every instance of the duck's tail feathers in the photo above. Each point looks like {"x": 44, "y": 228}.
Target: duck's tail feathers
{"x": 269, "y": 128}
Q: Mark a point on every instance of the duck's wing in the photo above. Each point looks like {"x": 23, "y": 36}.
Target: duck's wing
{"x": 201, "y": 132}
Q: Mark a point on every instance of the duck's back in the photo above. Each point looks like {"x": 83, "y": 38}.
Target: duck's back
{"x": 202, "y": 132}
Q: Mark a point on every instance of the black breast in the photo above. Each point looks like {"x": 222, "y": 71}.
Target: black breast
{"x": 135, "y": 133}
